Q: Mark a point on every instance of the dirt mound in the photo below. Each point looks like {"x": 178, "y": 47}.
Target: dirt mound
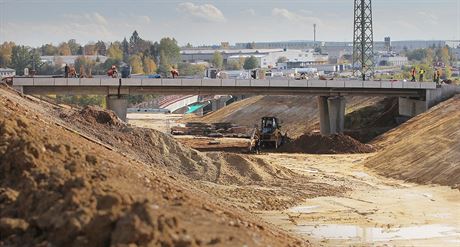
{"x": 95, "y": 114}
{"x": 60, "y": 189}
{"x": 426, "y": 149}
{"x": 315, "y": 143}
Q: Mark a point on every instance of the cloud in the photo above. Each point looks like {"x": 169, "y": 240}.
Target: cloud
{"x": 144, "y": 19}
{"x": 294, "y": 17}
{"x": 205, "y": 12}
{"x": 429, "y": 17}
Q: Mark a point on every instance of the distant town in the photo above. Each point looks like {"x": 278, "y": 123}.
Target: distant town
{"x": 293, "y": 59}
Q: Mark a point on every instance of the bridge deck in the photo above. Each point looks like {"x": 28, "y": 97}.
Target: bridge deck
{"x": 40, "y": 85}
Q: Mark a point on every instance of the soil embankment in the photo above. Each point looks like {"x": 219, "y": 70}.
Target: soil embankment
{"x": 61, "y": 187}
{"x": 425, "y": 150}
{"x": 315, "y": 143}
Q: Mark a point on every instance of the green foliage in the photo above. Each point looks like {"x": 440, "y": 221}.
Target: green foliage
{"x": 251, "y": 63}
{"x": 84, "y": 63}
{"x": 149, "y": 66}
{"x": 417, "y": 55}
{"x": 81, "y": 100}
{"x": 165, "y": 67}
{"x": 49, "y": 50}
{"x": 20, "y": 59}
{"x": 101, "y": 49}
{"x": 170, "y": 49}
{"x": 115, "y": 52}
{"x": 282, "y": 60}
{"x": 74, "y": 47}
{"x": 136, "y": 64}
{"x": 217, "y": 60}
{"x": 234, "y": 65}
{"x": 136, "y": 99}
{"x": 6, "y": 49}
{"x": 187, "y": 69}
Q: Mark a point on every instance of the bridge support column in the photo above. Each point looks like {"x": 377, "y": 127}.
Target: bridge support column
{"x": 336, "y": 114}
{"x": 323, "y": 109}
{"x": 331, "y": 114}
{"x": 118, "y": 104}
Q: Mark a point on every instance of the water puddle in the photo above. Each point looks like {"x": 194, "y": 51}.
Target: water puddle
{"x": 373, "y": 234}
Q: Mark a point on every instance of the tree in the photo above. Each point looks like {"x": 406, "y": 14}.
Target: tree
{"x": 90, "y": 49}
{"x": 149, "y": 66}
{"x": 187, "y": 69}
{"x": 165, "y": 66}
{"x": 85, "y": 63}
{"x": 64, "y": 49}
{"x": 154, "y": 52}
{"x": 80, "y": 51}
{"x": 445, "y": 55}
{"x": 115, "y": 52}
{"x": 101, "y": 48}
{"x": 6, "y": 50}
{"x": 74, "y": 47}
{"x": 125, "y": 48}
{"x": 20, "y": 59}
{"x": 417, "y": 54}
{"x": 282, "y": 59}
{"x": 136, "y": 64}
{"x": 49, "y": 50}
{"x": 171, "y": 50}
{"x": 233, "y": 65}
{"x": 251, "y": 63}
{"x": 217, "y": 60}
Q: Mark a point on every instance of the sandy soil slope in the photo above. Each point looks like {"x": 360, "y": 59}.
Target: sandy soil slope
{"x": 60, "y": 187}
{"x": 426, "y": 149}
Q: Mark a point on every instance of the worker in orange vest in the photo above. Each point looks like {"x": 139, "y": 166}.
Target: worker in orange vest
{"x": 413, "y": 73}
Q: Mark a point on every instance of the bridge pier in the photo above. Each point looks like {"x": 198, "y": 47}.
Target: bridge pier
{"x": 118, "y": 104}
{"x": 331, "y": 114}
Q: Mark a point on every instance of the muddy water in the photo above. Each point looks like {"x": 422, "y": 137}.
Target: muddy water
{"x": 379, "y": 211}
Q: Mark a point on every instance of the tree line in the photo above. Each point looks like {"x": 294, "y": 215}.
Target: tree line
{"x": 145, "y": 57}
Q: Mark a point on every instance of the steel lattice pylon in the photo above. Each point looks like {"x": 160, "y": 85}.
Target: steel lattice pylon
{"x": 363, "y": 40}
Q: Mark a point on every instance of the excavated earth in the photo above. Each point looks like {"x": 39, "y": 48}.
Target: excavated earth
{"x": 60, "y": 186}
{"x": 315, "y": 143}
{"x": 425, "y": 149}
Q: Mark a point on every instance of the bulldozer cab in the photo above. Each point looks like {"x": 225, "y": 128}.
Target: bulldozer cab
{"x": 269, "y": 125}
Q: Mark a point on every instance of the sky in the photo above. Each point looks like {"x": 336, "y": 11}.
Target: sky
{"x": 35, "y": 22}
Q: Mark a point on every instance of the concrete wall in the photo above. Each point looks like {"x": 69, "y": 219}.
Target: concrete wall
{"x": 434, "y": 97}
{"x": 412, "y": 107}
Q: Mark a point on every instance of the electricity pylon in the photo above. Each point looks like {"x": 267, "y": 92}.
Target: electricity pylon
{"x": 363, "y": 40}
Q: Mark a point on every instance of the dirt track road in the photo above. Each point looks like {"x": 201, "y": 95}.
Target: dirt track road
{"x": 377, "y": 211}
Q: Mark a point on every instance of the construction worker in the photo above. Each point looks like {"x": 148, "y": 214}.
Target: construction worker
{"x": 174, "y": 73}
{"x": 437, "y": 76}
{"x": 413, "y": 73}
{"x": 66, "y": 71}
{"x": 421, "y": 73}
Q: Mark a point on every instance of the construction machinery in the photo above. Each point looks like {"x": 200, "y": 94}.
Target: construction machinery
{"x": 268, "y": 136}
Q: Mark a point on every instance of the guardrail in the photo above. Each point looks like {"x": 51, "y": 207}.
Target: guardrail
{"x": 282, "y": 83}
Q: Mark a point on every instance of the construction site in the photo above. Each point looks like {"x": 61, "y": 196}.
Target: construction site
{"x": 327, "y": 161}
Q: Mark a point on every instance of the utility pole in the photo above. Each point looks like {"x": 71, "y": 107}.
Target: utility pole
{"x": 314, "y": 34}
{"x": 363, "y": 40}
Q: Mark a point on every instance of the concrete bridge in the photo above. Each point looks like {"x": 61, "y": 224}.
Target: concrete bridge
{"x": 415, "y": 97}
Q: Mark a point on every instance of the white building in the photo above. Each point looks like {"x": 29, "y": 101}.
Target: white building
{"x": 70, "y": 60}
{"x": 392, "y": 60}
{"x": 7, "y": 72}
{"x": 271, "y": 59}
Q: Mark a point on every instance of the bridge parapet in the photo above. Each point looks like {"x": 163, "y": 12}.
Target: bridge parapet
{"x": 267, "y": 83}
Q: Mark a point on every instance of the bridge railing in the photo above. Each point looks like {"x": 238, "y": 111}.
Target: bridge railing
{"x": 282, "y": 83}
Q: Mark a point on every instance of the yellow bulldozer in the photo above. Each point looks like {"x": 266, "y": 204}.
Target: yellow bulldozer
{"x": 268, "y": 136}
